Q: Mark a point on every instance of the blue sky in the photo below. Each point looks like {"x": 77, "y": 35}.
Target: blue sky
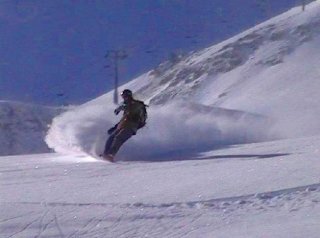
{"x": 52, "y": 52}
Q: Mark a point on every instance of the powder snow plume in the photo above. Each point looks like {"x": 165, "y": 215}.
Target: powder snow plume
{"x": 174, "y": 129}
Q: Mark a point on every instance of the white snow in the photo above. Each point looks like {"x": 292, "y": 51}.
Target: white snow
{"x": 231, "y": 149}
{"x": 253, "y": 190}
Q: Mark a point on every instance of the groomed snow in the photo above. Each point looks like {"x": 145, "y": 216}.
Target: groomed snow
{"x": 267, "y": 189}
{"x": 238, "y": 157}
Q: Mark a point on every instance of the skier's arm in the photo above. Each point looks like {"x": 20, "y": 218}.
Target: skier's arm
{"x": 119, "y": 109}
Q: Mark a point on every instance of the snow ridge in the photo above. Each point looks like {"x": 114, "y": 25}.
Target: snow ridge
{"x": 265, "y": 45}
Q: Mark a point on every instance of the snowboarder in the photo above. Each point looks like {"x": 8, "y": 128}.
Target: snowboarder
{"x": 134, "y": 117}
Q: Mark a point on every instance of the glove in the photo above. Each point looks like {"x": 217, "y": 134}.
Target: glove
{"x": 119, "y": 109}
{"x": 112, "y": 129}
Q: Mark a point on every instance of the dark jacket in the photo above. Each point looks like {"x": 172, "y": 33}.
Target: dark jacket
{"x": 131, "y": 115}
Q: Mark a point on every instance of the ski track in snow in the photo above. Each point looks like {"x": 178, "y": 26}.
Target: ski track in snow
{"x": 61, "y": 216}
{"x": 151, "y": 220}
{"x": 256, "y": 190}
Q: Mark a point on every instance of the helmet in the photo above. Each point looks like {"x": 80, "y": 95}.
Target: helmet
{"x": 126, "y": 93}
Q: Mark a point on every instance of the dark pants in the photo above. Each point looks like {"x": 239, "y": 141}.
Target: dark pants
{"x": 116, "y": 140}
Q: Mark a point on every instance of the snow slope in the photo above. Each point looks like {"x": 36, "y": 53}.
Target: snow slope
{"x": 255, "y": 86}
{"x": 23, "y": 127}
{"x": 186, "y": 177}
{"x": 262, "y": 70}
{"x": 261, "y": 190}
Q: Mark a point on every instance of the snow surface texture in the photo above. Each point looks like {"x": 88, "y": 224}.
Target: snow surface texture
{"x": 256, "y": 190}
{"x": 256, "y": 86}
{"x": 23, "y": 127}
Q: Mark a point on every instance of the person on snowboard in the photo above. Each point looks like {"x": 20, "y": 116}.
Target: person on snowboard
{"x": 134, "y": 118}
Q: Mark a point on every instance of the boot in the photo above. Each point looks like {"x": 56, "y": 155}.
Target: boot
{"x": 108, "y": 157}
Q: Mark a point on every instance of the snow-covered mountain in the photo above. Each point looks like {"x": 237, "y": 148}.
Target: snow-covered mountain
{"x": 212, "y": 76}
{"x": 69, "y": 39}
{"x": 23, "y": 127}
{"x": 261, "y": 74}
{"x": 262, "y": 70}
{"x": 185, "y": 176}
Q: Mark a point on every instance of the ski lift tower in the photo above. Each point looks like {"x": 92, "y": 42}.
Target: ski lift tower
{"x": 303, "y": 2}
{"x": 116, "y": 56}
